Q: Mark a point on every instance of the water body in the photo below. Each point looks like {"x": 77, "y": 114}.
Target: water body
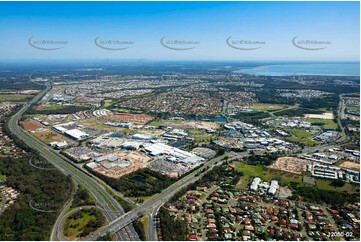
{"x": 324, "y": 69}
{"x": 214, "y": 119}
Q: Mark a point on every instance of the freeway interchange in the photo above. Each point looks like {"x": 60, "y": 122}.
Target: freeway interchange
{"x": 111, "y": 206}
{"x": 119, "y": 222}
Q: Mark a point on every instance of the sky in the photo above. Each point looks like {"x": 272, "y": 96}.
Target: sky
{"x": 202, "y": 29}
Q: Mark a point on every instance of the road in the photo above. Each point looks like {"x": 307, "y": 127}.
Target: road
{"x": 110, "y": 205}
{"x": 56, "y": 233}
{"x": 63, "y": 218}
{"x": 155, "y": 202}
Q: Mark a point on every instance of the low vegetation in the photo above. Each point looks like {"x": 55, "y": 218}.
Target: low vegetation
{"x": 83, "y": 222}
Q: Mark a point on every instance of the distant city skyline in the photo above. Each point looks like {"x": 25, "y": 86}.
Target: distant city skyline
{"x": 233, "y": 31}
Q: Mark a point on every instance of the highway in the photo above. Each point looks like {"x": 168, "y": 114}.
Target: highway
{"x": 110, "y": 205}
{"x": 155, "y": 202}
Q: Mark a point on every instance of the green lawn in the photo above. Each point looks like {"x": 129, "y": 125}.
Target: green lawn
{"x": 107, "y": 103}
{"x": 195, "y": 131}
{"x": 352, "y": 108}
{"x": 15, "y": 97}
{"x": 51, "y": 108}
{"x": 267, "y": 107}
{"x": 267, "y": 174}
{"x": 203, "y": 138}
{"x": 326, "y": 123}
{"x": 2, "y": 178}
{"x": 300, "y": 133}
{"x": 307, "y": 142}
{"x": 74, "y": 227}
{"x": 326, "y": 185}
{"x": 285, "y": 178}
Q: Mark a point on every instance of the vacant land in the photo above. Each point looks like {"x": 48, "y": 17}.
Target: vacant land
{"x": 107, "y": 103}
{"x": 285, "y": 178}
{"x": 300, "y": 133}
{"x": 251, "y": 171}
{"x": 350, "y": 165}
{"x": 320, "y": 116}
{"x": 50, "y": 108}
{"x": 290, "y": 164}
{"x": 203, "y": 138}
{"x": 48, "y": 136}
{"x": 15, "y": 97}
{"x": 30, "y": 125}
{"x": 82, "y": 223}
{"x": 267, "y": 107}
{"x": 307, "y": 142}
{"x": 326, "y": 123}
{"x": 129, "y": 118}
{"x": 352, "y": 108}
{"x": 326, "y": 185}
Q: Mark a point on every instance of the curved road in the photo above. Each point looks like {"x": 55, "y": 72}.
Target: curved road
{"x": 65, "y": 166}
{"x": 154, "y": 203}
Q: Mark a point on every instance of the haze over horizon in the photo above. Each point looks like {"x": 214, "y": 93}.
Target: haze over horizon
{"x": 208, "y": 25}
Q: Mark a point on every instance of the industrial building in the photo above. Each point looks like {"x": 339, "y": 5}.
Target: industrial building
{"x": 181, "y": 156}
{"x": 77, "y": 134}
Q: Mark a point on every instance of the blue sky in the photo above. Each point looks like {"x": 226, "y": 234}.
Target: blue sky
{"x": 209, "y": 23}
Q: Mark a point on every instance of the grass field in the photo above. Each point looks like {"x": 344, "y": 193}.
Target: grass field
{"x": 107, "y": 103}
{"x": 285, "y": 178}
{"x": 15, "y": 97}
{"x": 124, "y": 110}
{"x": 195, "y": 131}
{"x": 74, "y": 227}
{"x": 326, "y": 185}
{"x": 203, "y": 138}
{"x": 2, "y": 178}
{"x": 48, "y": 136}
{"x": 249, "y": 172}
{"x": 267, "y": 107}
{"x": 300, "y": 133}
{"x": 307, "y": 142}
{"x": 352, "y": 108}
{"x": 50, "y": 108}
{"x": 326, "y": 123}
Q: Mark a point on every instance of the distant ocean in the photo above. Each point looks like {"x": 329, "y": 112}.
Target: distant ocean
{"x": 326, "y": 69}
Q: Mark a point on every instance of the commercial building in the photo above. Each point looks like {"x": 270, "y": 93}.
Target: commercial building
{"x": 77, "y": 134}
{"x": 254, "y": 185}
{"x": 273, "y": 187}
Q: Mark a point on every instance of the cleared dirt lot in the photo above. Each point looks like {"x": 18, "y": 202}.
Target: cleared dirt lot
{"x": 30, "y": 125}
{"x": 321, "y": 116}
{"x": 350, "y": 165}
{"x": 129, "y": 118}
{"x": 137, "y": 159}
{"x": 290, "y": 164}
{"x": 201, "y": 125}
{"x": 48, "y": 136}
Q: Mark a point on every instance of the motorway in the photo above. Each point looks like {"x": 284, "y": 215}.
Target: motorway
{"x": 155, "y": 202}
{"x": 110, "y": 205}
